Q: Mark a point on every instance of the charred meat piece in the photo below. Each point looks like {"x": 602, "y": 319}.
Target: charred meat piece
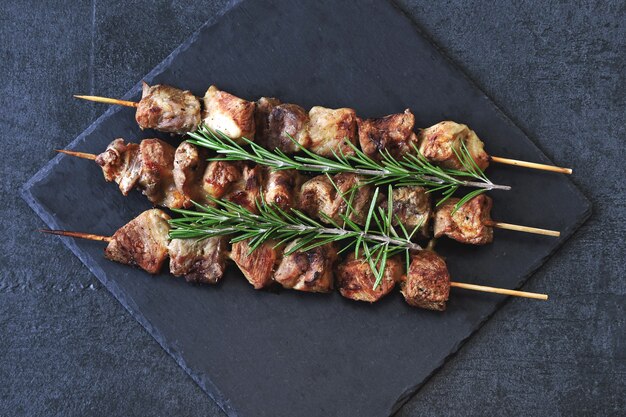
{"x": 393, "y": 134}
{"x": 121, "y": 162}
{"x": 319, "y": 195}
{"x": 201, "y": 261}
{"x": 412, "y": 206}
{"x": 264, "y": 107}
{"x": 257, "y": 266}
{"x": 438, "y": 144}
{"x": 189, "y": 166}
{"x": 247, "y": 191}
{"x": 287, "y": 121}
{"x": 157, "y": 177}
{"x": 219, "y": 176}
{"x": 427, "y": 283}
{"x": 310, "y": 270}
{"x": 356, "y": 280}
{"x": 141, "y": 242}
{"x": 282, "y": 188}
{"x": 168, "y": 109}
{"x": 228, "y": 114}
{"x": 469, "y": 224}
{"x": 330, "y": 130}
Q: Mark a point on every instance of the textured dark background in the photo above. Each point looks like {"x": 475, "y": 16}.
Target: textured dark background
{"x": 68, "y": 348}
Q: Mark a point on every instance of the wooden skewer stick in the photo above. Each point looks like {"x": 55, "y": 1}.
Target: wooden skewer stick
{"x": 80, "y": 235}
{"x": 83, "y": 155}
{"x": 525, "y": 229}
{"x": 495, "y": 290}
{"x": 472, "y": 287}
{"x": 532, "y": 165}
{"x": 108, "y": 100}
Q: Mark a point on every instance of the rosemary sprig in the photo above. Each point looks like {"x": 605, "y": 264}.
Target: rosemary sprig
{"x": 376, "y": 241}
{"x": 412, "y": 169}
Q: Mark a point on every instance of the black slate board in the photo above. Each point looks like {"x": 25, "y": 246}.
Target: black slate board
{"x": 261, "y": 353}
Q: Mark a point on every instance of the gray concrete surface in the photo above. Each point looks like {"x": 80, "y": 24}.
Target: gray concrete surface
{"x": 68, "y": 348}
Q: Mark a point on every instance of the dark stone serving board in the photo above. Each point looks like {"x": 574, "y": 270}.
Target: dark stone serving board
{"x": 288, "y": 353}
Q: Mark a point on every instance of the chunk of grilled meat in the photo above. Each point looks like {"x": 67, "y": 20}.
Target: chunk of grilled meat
{"x": 200, "y": 261}
{"x": 282, "y": 123}
{"x": 219, "y": 176}
{"x": 469, "y": 224}
{"x": 168, "y": 109}
{"x": 356, "y": 280}
{"x": 331, "y": 130}
{"x": 427, "y": 283}
{"x": 393, "y": 134}
{"x": 121, "y": 162}
{"x": 319, "y": 195}
{"x": 141, "y": 242}
{"x": 438, "y": 144}
{"x": 231, "y": 115}
{"x": 281, "y": 188}
{"x": 310, "y": 270}
{"x": 412, "y": 206}
{"x": 264, "y": 107}
{"x": 157, "y": 178}
{"x": 189, "y": 167}
{"x": 246, "y": 192}
{"x": 257, "y": 266}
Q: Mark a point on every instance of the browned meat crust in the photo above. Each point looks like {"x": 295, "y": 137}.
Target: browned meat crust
{"x": 121, "y": 162}
{"x": 257, "y": 266}
{"x": 189, "y": 166}
{"x": 331, "y": 129}
{"x": 287, "y": 120}
{"x": 219, "y": 176}
{"x": 247, "y": 191}
{"x": 438, "y": 143}
{"x": 393, "y": 134}
{"x": 282, "y": 188}
{"x": 229, "y": 114}
{"x": 427, "y": 284}
{"x": 264, "y": 107}
{"x": 168, "y": 109}
{"x": 469, "y": 224}
{"x": 356, "y": 280}
{"x": 412, "y": 206}
{"x": 310, "y": 270}
{"x": 141, "y": 242}
{"x": 157, "y": 179}
{"x": 200, "y": 261}
{"x": 318, "y": 195}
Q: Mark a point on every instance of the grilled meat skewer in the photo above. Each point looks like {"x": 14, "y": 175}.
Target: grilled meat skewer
{"x": 174, "y": 178}
{"x": 321, "y": 130}
{"x": 143, "y": 242}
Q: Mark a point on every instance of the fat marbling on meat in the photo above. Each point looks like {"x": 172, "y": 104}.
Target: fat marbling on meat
{"x": 393, "y": 134}
{"x": 355, "y": 278}
{"x": 168, "y": 109}
{"x": 427, "y": 282}
{"x": 310, "y": 270}
{"x": 228, "y": 114}
{"x": 141, "y": 242}
{"x": 199, "y": 260}
{"x": 469, "y": 224}
{"x": 320, "y": 195}
{"x": 441, "y": 143}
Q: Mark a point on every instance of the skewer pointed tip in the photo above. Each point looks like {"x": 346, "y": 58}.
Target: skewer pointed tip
{"x": 107, "y": 100}
{"x": 82, "y": 155}
{"x": 79, "y": 235}
{"x": 531, "y": 165}
{"x": 503, "y": 291}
